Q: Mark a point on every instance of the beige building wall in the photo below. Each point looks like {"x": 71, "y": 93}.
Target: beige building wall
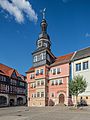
{"x": 86, "y": 74}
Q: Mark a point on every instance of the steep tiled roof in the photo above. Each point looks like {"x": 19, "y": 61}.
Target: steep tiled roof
{"x": 30, "y": 70}
{"x": 7, "y": 71}
{"x": 82, "y": 53}
{"x": 63, "y": 59}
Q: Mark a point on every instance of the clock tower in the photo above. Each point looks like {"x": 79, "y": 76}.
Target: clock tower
{"x": 43, "y": 55}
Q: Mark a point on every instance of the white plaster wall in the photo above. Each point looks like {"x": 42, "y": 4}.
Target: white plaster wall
{"x": 85, "y": 73}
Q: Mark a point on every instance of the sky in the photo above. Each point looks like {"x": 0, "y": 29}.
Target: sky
{"x": 68, "y": 28}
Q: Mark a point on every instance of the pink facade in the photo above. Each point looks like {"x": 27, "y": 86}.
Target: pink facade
{"x": 53, "y": 82}
{"x": 59, "y": 88}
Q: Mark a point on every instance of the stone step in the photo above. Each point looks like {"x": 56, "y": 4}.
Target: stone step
{"x": 60, "y": 104}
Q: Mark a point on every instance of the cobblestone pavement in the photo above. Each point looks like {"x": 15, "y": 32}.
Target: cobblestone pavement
{"x": 44, "y": 113}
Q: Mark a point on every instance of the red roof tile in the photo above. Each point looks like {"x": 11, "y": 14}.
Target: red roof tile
{"x": 30, "y": 70}
{"x": 63, "y": 59}
{"x": 5, "y": 70}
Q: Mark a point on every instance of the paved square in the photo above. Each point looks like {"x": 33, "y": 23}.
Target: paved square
{"x": 44, "y": 113}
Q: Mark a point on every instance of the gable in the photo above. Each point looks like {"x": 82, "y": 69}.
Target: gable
{"x": 14, "y": 75}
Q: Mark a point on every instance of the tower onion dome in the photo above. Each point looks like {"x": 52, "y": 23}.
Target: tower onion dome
{"x": 43, "y": 39}
{"x": 43, "y": 34}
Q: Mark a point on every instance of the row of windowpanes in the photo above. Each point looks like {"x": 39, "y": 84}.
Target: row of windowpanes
{"x": 56, "y": 82}
{"x": 55, "y": 71}
{"x": 41, "y": 71}
{"x": 4, "y": 88}
{"x": 2, "y": 78}
{"x": 84, "y": 67}
{"x": 39, "y": 94}
{"x": 39, "y": 57}
{"x": 39, "y": 83}
{"x": 13, "y": 82}
{"x": 20, "y": 90}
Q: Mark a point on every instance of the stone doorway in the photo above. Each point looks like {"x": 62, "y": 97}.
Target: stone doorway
{"x": 61, "y": 99}
{"x": 20, "y": 101}
{"x": 11, "y": 102}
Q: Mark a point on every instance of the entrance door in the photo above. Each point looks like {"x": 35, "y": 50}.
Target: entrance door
{"x": 61, "y": 98}
{"x": 11, "y": 102}
{"x": 20, "y": 101}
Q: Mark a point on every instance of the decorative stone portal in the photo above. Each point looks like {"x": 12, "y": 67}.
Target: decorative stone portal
{"x": 61, "y": 99}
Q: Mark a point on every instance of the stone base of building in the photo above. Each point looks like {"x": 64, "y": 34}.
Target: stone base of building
{"x": 41, "y": 102}
{"x": 82, "y": 100}
{"x": 37, "y": 102}
{"x": 11, "y": 100}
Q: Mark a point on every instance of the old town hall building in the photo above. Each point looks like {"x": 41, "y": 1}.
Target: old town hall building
{"x": 48, "y": 78}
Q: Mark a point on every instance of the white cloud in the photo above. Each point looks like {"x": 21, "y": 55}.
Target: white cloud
{"x": 26, "y": 7}
{"x": 19, "y": 8}
{"x": 87, "y": 34}
{"x": 65, "y": 1}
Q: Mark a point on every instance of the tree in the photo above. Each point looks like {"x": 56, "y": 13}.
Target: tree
{"x": 77, "y": 85}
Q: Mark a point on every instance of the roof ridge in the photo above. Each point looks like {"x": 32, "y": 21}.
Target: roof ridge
{"x": 83, "y": 48}
{"x": 6, "y": 66}
{"x": 65, "y": 55}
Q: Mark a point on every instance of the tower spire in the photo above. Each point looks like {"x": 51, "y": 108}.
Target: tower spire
{"x": 43, "y": 13}
{"x": 43, "y": 23}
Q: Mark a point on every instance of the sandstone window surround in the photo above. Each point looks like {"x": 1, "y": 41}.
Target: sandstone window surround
{"x": 55, "y": 71}
{"x": 56, "y": 82}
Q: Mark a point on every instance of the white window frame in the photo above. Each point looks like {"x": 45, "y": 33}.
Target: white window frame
{"x": 35, "y": 59}
{"x": 41, "y": 92}
{"x": 60, "y": 80}
{"x": 53, "y": 81}
{"x": 41, "y": 56}
{"x": 86, "y": 65}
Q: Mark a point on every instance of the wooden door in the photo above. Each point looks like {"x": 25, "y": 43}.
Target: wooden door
{"x": 61, "y": 98}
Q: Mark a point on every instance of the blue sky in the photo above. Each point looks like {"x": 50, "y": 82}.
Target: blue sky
{"x": 68, "y": 27}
